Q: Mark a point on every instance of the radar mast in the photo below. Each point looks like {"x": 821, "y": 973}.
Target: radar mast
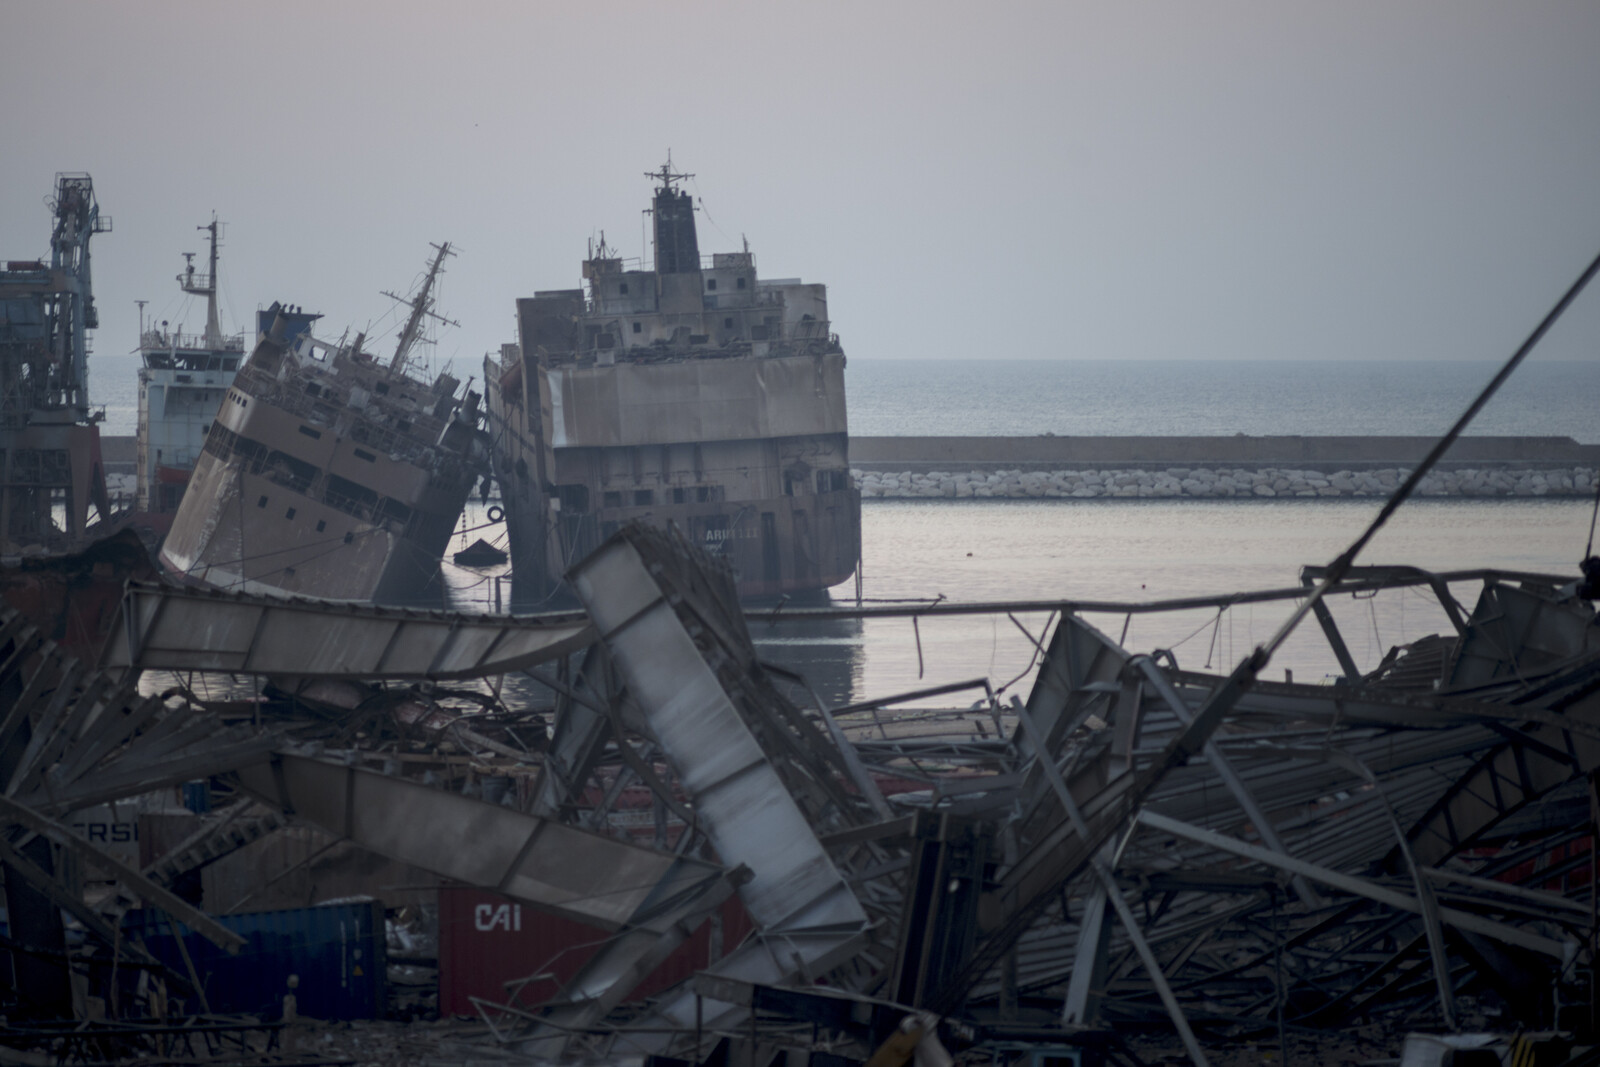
{"x": 421, "y": 306}
{"x": 205, "y": 284}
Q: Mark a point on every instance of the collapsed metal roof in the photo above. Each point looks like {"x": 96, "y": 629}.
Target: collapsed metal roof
{"x": 1329, "y": 854}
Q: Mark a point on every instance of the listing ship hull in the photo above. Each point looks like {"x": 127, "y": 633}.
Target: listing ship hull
{"x": 749, "y": 492}
{"x": 691, "y": 395}
{"x": 332, "y": 478}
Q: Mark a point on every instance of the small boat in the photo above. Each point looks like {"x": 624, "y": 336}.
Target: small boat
{"x": 480, "y": 554}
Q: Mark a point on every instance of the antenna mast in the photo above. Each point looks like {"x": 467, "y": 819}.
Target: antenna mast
{"x": 666, "y": 175}
{"x": 205, "y": 285}
{"x": 421, "y": 305}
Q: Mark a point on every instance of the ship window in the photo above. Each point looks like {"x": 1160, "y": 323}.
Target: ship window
{"x": 741, "y": 283}
{"x": 832, "y": 481}
{"x": 393, "y": 509}
{"x": 313, "y": 389}
{"x": 643, "y": 498}
{"x": 315, "y": 435}
{"x": 727, "y": 324}
{"x": 637, "y": 328}
{"x": 362, "y": 453}
{"x": 612, "y": 500}
{"x": 623, "y": 289}
{"x": 322, "y": 524}
{"x": 381, "y": 388}
{"x": 185, "y": 377}
{"x": 678, "y": 496}
{"x": 261, "y": 503}
{"x": 350, "y": 497}
{"x": 289, "y": 514}
{"x": 574, "y": 498}
{"x": 287, "y": 470}
{"x": 230, "y": 364}
{"x": 711, "y": 283}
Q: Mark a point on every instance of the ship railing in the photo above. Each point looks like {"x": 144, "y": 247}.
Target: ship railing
{"x": 392, "y": 442}
{"x": 359, "y": 509}
{"x": 323, "y": 411}
{"x": 170, "y": 339}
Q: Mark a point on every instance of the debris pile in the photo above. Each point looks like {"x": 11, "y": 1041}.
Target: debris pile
{"x": 688, "y": 855}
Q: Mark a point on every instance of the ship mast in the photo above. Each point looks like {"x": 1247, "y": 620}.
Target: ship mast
{"x": 421, "y": 305}
{"x": 666, "y": 175}
{"x": 205, "y": 285}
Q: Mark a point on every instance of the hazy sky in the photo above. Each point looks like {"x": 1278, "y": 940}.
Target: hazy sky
{"x": 1054, "y": 180}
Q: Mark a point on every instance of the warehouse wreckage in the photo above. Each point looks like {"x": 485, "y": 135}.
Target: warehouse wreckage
{"x": 1132, "y": 846}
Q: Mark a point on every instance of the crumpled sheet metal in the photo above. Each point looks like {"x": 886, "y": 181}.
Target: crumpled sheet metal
{"x": 177, "y": 628}
{"x": 585, "y": 876}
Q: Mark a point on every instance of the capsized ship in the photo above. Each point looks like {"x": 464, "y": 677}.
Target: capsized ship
{"x": 693, "y": 393}
{"x": 182, "y": 380}
{"x": 329, "y": 472}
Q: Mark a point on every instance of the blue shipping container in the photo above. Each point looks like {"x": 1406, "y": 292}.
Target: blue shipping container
{"x": 338, "y": 952}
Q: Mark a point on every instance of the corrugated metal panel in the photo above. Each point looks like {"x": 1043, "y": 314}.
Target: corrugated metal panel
{"x": 487, "y": 940}
{"x": 338, "y": 952}
{"x": 195, "y": 629}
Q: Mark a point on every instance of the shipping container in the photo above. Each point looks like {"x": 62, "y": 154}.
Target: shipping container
{"x": 338, "y": 951}
{"x": 487, "y": 940}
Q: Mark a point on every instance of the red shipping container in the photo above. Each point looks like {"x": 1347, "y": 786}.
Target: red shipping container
{"x": 487, "y": 940}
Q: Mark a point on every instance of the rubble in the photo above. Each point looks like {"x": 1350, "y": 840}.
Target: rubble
{"x": 1106, "y": 861}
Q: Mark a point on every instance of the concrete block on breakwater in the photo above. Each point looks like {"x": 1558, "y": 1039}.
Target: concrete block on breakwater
{"x": 1221, "y": 482}
{"x": 1321, "y": 454}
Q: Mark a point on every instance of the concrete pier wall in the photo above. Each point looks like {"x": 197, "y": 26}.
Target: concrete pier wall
{"x": 1329, "y": 454}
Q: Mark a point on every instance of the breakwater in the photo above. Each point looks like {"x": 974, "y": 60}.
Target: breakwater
{"x": 1324, "y": 454}
{"x": 1214, "y": 482}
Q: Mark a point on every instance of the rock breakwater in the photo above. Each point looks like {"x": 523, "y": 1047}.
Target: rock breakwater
{"x": 1214, "y": 482}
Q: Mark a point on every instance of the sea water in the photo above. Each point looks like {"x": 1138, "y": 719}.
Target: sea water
{"x": 1006, "y": 397}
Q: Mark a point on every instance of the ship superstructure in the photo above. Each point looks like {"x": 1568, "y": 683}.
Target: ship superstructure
{"x": 329, "y": 471}
{"x": 50, "y": 468}
{"x": 182, "y": 380}
{"x": 692, "y": 393}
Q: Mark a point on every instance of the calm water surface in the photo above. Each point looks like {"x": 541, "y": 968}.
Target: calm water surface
{"x": 1130, "y": 551}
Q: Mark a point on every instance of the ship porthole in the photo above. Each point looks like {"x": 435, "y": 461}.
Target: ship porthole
{"x": 496, "y": 513}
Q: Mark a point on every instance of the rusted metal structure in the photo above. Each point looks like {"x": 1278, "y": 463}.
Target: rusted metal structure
{"x": 51, "y": 477}
{"x": 692, "y": 393}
